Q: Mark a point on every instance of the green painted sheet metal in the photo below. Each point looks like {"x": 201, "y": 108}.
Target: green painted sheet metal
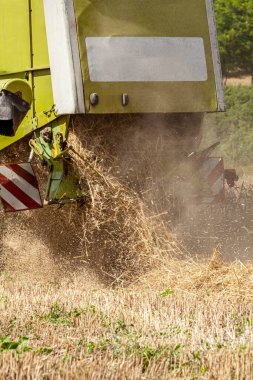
{"x": 146, "y": 18}
{"x": 15, "y": 36}
{"x": 16, "y": 85}
{"x": 39, "y": 37}
{"x": 24, "y": 55}
{"x": 43, "y": 95}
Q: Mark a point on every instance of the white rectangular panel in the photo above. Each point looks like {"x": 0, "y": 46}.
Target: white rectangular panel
{"x": 146, "y": 59}
{"x": 64, "y": 56}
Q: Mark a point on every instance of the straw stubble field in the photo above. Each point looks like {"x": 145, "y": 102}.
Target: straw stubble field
{"x": 107, "y": 291}
{"x": 189, "y": 321}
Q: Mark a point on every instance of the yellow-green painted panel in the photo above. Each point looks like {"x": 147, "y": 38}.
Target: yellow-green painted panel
{"x": 43, "y": 102}
{"x": 15, "y": 36}
{"x": 43, "y": 95}
{"x": 24, "y": 129}
{"x": 18, "y": 85}
{"x": 146, "y": 18}
{"x": 40, "y": 50}
{"x": 15, "y": 58}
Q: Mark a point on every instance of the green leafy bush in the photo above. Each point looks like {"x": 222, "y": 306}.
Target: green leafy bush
{"x": 235, "y": 34}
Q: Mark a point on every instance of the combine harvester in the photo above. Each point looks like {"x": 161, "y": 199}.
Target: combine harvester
{"x": 65, "y": 57}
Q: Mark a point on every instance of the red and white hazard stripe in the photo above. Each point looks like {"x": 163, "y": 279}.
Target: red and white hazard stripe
{"x": 213, "y": 172}
{"x": 19, "y": 188}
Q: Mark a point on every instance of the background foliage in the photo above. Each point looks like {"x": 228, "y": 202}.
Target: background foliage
{"x": 234, "y": 129}
{"x": 235, "y": 33}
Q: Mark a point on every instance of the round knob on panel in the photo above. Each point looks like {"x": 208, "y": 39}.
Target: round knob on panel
{"x": 94, "y": 99}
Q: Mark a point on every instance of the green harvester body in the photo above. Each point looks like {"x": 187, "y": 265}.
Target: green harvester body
{"x": 64, "y": 57}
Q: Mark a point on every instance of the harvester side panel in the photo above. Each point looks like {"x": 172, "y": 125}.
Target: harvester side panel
{"x": 180, "y": 28}
{"x": 110, "y": 56}
{"x": 24, "y": 55}
{"x": 141, "y": 56}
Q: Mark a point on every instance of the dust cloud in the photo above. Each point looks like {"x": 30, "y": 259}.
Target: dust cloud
{"x": 227, "y": 227}
{"x": 135, "y": 211}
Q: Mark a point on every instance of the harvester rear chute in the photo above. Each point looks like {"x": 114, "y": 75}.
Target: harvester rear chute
{"x": 126, "y": 62}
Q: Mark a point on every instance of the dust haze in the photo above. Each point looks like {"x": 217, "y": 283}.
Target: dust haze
{"x": 134, "y": 214}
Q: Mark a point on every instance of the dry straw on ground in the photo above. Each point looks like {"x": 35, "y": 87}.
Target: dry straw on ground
{"x": 190, "y": 320}
{"x": 132, "y": 304}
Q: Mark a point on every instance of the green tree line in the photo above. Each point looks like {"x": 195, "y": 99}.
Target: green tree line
{"x": 234, "y": 20}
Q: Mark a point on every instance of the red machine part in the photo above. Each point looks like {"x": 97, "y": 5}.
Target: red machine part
{"x": 212, "y": 171}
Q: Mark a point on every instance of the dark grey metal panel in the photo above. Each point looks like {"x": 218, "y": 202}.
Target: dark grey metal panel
{"x": 6, "y": 107}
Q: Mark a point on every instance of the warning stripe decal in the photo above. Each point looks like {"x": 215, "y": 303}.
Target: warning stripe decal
{"x": 28, "y": 168}
{"x": 213, "y": 172}
{"x": 216, "y": 173}
{"x": 220, "y": 197}
{"x": 17, "y": 192}
{"x": 19, "y": 181}
{"x": 19, "y": 188}
{"x": 9, "y": 198}
{"x": 21, "y": 172}
{"x": 7, "y": 207}
{"x": 218, "y": 185}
